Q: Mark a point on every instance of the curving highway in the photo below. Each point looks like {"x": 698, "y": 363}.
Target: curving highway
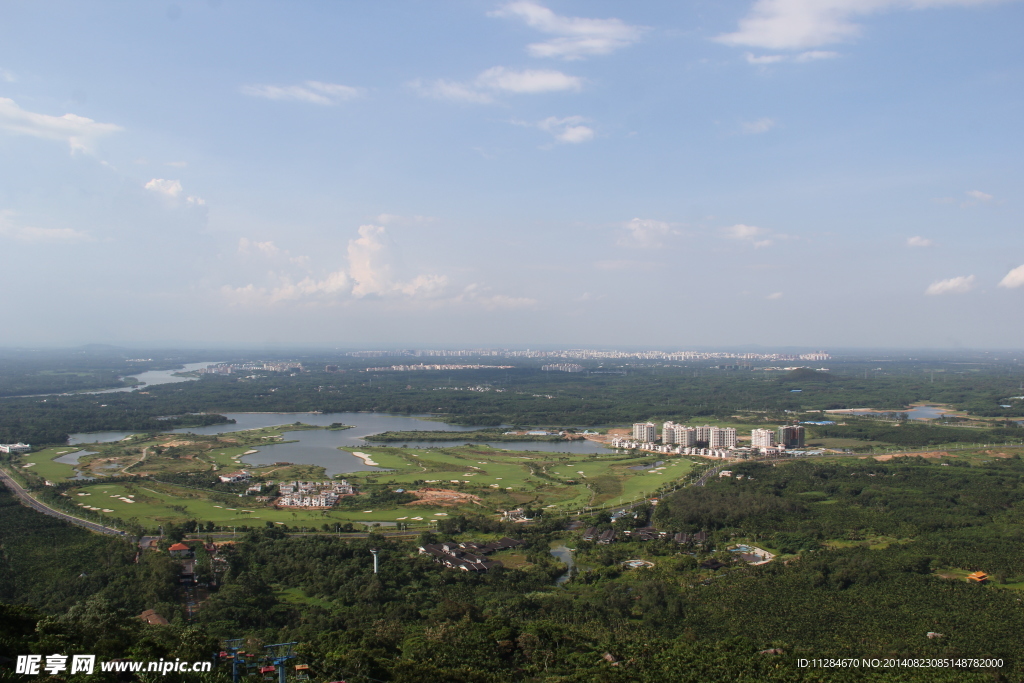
{"x": 27, "y": 500}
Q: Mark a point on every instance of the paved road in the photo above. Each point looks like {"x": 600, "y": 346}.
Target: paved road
{"x": 31, "y": 502}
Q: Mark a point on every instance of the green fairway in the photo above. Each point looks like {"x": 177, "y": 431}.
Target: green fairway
{"x": 493, "y": 479}
{"x": 42, "y": 463}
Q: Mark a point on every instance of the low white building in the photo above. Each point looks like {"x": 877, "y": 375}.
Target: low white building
{"x": 15, "y": 447}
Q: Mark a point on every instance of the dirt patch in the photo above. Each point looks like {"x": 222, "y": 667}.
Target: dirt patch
{"x": 228, "y": 439}
{"x": 179, "y": 442}
{"x": 997, "y": 454}
{"x": 925, "y": 454}
{"x": 443, "y": 497}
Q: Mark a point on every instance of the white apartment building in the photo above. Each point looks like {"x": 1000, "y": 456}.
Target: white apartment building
{"x": 668, "y": 432}
{"x": 762, "y": 438}
{"x": 685, "y": 436}
{"x": 678, "y": 434}
{"x": 721, "y": 437}
{"x": 703, "y": 433}
{"x": 645, "y": 431}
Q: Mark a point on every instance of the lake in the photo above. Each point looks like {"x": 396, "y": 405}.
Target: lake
{"x": 326, "y": 447}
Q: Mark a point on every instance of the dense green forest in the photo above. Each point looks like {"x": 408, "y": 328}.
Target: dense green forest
{"x": 864, "y": 548}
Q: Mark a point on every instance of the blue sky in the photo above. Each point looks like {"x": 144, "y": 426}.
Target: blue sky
{"x": 827, "y": 173}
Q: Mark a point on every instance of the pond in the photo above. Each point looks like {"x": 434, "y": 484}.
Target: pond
{"x": 563, "y": 555}
{"x": 329, "y": 448}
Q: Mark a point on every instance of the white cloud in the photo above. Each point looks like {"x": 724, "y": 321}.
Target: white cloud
{"x": 29, "y": 234}
{"x": 815, "y": 55}
{"x": 774, "y": 296}
{"x": 918, "y": 241}
{"x": 528, "y": 80}
{"x": 576, "y": 37}
{"x": 761, "y": 60}
{"x": 168, "y": 188}
{"x": 953, "y": 285}
{"x": 976, "y": 197}
{"x": 568, "y": 130}
{"x": 759, "y": 237}
{"x": 79, "y": 132}
{"x": 442, "y": 89}
{"x": 7, "y": 76}
{"x": 759, "y": 126}
{"x": 370, "y": 273}
{"x": 247, "y": 246}
{"x": 809, "y": 56}
{"x": 644, "y": 233}
{"x": 313, "y": 92}
{"x": 498, "y": 80}
{"x": 1013, "y": 279}
{"x": 171, "y": 189}
{"x": 802, "y": 24}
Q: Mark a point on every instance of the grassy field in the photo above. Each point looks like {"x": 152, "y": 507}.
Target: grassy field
{"x": 494, "y": 480}
{"x": 42, "y": 464}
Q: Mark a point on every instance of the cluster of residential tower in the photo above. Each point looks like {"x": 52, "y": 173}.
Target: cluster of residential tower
{"x": 708, "y": 441}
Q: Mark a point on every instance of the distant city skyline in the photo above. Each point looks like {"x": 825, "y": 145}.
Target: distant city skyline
{"x": 489, "y": 172}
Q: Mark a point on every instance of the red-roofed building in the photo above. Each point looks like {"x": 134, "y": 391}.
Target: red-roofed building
{"x": 180, "y": 550}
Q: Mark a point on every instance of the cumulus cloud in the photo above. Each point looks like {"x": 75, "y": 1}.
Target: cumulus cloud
{"x": 918, "y": 241}
{"x": 759, "y": 126}
{"x": 11, "y": 229}
{"x": 645, "y": 233}
{"x": 171, "y": 189}
{"x": 953, "y": 285}
{"x": 78, "y": 132}
{"x": 372, "y": 269}
{"x": 803, "y": 24}
{"x": 575, "y": 37}
{"x": 370, "y": 272}
{"x": 1013, "y": 279}
{"x": 312, "y": 92}
{"x": 498, "y": 80}
{"x": 759, "y": 237}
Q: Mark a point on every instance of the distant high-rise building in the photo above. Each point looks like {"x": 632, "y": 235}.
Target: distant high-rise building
{"x": 703, "y": 433}
{"x": 645, "y": 431}
{"x": 762, "y": 438}
{"x": 722, "y": 437}
{"x": 791, "y": 436}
